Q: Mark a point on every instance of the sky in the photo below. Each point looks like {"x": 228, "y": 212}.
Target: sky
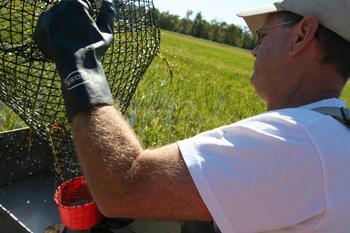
{"x": 221, "y": 10}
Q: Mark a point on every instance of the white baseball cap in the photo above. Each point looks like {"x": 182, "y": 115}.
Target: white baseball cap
{"x": 333, "y": 14}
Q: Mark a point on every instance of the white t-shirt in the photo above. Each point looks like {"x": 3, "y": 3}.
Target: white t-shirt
{"x": 285, "y": 171}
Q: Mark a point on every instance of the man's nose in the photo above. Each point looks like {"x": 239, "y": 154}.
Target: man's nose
{"x": 255, "y": 51}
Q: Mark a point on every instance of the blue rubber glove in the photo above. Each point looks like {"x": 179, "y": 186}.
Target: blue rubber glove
{"x": 67, "y": 34}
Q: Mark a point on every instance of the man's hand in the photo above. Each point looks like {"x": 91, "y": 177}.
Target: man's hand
{"x": 67, "y": 34}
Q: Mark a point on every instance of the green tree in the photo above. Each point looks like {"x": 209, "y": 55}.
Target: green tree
{"x": 168, "y": 21}
{"x": 197, "y": 29}
{"x": 216, "y": 31}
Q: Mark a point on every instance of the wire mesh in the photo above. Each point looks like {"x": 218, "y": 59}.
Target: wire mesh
{"x": 30, "y": 85}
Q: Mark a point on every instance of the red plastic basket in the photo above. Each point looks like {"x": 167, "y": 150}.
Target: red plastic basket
{"x": 76, "y": 207}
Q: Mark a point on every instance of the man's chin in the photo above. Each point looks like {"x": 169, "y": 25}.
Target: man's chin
{"x": 252, "y": 79}
{"x": 253, "y": 83}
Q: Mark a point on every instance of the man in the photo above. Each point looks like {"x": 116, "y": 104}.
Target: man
{"x": 286, "y": 170}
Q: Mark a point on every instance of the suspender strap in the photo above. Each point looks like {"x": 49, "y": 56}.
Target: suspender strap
{"x": 340, "y": 114}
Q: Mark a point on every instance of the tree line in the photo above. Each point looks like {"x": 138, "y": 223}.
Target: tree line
{"x": 214, "y": 30}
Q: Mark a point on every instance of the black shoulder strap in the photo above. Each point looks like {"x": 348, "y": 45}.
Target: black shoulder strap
{"x": 340, "y": 114}
{"x": 198, "y": 227}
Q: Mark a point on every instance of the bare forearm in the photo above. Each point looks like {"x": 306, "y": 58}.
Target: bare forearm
{"x": 127, "y": 181}
{"x": 107, "y": 149}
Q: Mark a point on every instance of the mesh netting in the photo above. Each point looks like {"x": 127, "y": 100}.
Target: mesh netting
{"x": 30, "y": 85}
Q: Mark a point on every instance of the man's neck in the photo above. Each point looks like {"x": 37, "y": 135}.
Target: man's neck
{"x": 300, "y": 102}
{"x": 308, "y": 89}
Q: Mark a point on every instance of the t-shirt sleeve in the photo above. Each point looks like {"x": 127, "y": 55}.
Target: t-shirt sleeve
{"x": 256, "y": 175}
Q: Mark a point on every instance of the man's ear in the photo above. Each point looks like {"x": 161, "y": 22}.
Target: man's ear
{"x": 303, "y": 33}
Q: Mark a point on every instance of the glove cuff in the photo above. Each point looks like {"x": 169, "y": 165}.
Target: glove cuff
{"x": 85, "y": 88}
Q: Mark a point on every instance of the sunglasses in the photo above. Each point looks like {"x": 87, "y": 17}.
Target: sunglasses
{"x": 261, "y": 32}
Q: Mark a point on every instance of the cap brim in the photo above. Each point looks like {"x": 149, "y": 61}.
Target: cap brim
{"x": 256, "y": 18}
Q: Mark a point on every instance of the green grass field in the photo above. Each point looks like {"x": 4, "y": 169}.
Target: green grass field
{"x": 209, "y": 88}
